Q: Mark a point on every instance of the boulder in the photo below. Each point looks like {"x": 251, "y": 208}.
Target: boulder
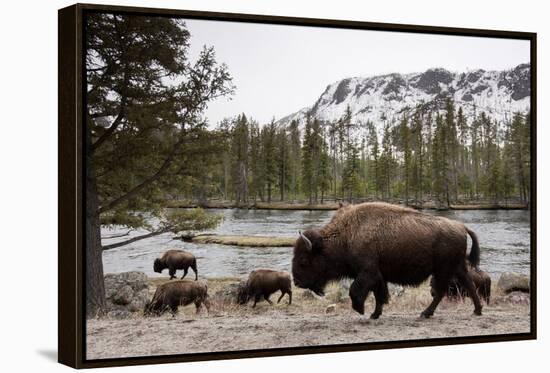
{"x": 308, "y": 294}
{"x": 231, "y": 291}
{"x": 511, "y": 281}
{"x": 514, "y": 297}
{"x": 395, "y": 290}
{"x": 126, "y": 292}
{"x": 123, "y": 295}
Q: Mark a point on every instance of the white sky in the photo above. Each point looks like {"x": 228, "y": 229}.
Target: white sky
{"x": 280, "y": 69}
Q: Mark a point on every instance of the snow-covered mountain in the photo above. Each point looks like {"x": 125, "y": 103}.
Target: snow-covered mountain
{"x": 498, "y": 93}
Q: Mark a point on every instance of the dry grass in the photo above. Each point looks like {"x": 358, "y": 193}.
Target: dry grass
{"x": 306, "y": 322}
{"x": 412, "y": 299}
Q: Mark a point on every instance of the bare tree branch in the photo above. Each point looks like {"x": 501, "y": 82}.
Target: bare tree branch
{"x": 134, "y": 239}
{"x": 116, "y": 235}
{"x": 112, "y": 128}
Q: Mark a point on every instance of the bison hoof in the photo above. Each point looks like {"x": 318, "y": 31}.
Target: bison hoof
{"x": 477, "y": 312}
{"x": 425, "y": 315}
{"x": 359, "y": 309}
{"x": 374, "y": 316}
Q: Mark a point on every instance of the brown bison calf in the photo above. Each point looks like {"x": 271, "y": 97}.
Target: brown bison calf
{"x": 173, "y": 294}
{"x": 174, "y": 260}
{"x": 482, "y": 283}
{"x": 263, "y": 283}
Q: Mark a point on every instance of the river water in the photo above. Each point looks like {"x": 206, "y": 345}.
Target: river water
{"x": 504, "y": 239}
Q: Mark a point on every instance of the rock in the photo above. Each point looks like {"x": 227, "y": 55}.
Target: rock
{"x": 395, "y": 290}
{"x": 231, "y": 291}
{"x": 514, "y": 297}
{"x": 139, "y": 301}
{"x": 119, "y": 314}
{"x": 123, "y": 295}
{"x": 511, "y": 281}
{"x": 308, "y": 294}
{"x": 331, "y": 308}
{"x": 126, "y": 292}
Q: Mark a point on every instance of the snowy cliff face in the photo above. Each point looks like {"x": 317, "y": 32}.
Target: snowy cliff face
{"x": 498, "y": 93}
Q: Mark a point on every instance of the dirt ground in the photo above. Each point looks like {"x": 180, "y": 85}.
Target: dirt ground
{"x": 309, "y": 321}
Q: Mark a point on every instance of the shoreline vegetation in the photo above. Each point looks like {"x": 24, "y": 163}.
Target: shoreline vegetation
{"x": 334, "y": 205}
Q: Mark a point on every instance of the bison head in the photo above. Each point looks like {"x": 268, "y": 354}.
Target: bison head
{"x": 148, "y": 309}
{"x": 310, "y": 265}
{"x": 157, "y": 266}
{"x": 242, "y": 293}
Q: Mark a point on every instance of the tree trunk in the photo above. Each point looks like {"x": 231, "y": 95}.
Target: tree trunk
{"x": 95, "y": 286}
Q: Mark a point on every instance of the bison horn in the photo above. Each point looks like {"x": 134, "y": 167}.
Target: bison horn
{"x": 306, "y": 240}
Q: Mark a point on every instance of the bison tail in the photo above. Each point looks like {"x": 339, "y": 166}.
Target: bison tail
{"x": 473, "y": 258}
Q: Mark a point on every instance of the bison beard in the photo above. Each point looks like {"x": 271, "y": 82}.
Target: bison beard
{"x": 377, "y": 243}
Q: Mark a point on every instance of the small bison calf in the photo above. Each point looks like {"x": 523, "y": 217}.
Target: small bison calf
{"x": 263, "y": 283}
{"x": 174, "y": 260}
{"x": 482, "y": 282}
{"x": 173, "y": 294}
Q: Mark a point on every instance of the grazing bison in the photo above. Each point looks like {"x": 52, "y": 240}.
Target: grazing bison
{"x": 376, "y": 243}
{"x": 174, "y": 260}
{"x": 482, "y": 283}
{"x": 173, "y": 294}
{"x": 264, "y": 282}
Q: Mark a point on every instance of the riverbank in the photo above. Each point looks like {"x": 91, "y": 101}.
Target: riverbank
{"x": 335, "y": 206}
{"x": 310, "y": 320}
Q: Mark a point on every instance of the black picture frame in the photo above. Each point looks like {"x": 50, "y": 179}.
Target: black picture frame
{"x": 71, "y": 275}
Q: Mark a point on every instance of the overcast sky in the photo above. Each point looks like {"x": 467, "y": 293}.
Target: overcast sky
{"x": 279, "y": 69}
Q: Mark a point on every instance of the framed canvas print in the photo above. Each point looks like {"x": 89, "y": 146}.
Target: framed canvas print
{"x": 235, "y": 185}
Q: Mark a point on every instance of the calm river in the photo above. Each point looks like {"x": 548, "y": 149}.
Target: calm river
{"x": 504, "y": 239}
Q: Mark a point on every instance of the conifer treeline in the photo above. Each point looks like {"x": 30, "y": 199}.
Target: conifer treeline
{"x": 425, "y": 156}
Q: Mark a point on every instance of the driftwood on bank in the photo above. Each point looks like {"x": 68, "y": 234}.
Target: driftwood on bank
{"x": 250, "y": 241}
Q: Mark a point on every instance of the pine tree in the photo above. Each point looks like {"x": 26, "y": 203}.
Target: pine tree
{"x": 256, "y": 165}
{"x": 308, "y": 148}
{"x": 440, "y": 159}
{"x": 324, "y": 175}
{"x": 148, "y": 128}
{"x": 283, "y": 161}
{"x": 386, "y": 164}
{"x": 404, "y": 135}
{"x": 451, "y": 141}
{"x": 239, "y": 150}
{"x": 268, "y": 140}
{"x": 374, "y": 156}
{"x": 295, "y": 158}
{"x": 350, "y": 177}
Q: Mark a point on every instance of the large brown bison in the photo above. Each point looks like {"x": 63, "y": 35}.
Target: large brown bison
{"x": 263, "y": 283}
{"x": 482, "y": 283}
{"x": 376, "y": 243}
{"x": 171, "y": 295}
{"x": 174, "y": 260}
